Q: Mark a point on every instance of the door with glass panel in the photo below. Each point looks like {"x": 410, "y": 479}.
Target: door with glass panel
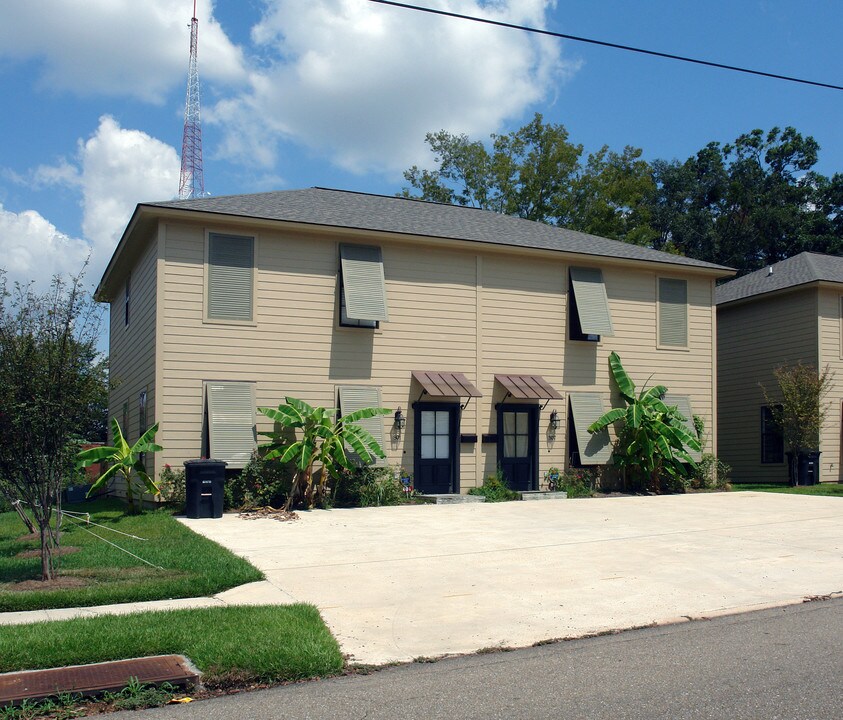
{"x": 518, "y": 445}
{"x": 436, "y": 448}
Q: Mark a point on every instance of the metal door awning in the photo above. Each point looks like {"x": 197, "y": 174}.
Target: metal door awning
{"x": 446, "y": 384}
{"x": 528, "y": 387}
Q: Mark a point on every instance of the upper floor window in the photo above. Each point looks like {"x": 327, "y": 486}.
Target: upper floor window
{"x": 231, "y": 268}
{"x": 673, "y": 312}
{"x": 362, "y": 288}
{"x": 588, "y": 305}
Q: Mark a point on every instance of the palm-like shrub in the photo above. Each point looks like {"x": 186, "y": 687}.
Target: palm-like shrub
{"x": 125, "y": 460}
{"x": 653, "y": 439}
{"x": 321, "y": 441}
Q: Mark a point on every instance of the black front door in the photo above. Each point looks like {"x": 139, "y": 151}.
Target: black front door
{"x": 518, "y": 447}
{"x": 436, "y": 448}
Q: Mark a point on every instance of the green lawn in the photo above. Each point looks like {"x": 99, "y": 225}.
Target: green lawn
{"x": 190, "y": 565}
{"x": 821, "y": 489}
{"x": 264, "y": 643}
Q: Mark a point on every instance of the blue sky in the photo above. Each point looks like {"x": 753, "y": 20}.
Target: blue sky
{"x": 340, "y": 93}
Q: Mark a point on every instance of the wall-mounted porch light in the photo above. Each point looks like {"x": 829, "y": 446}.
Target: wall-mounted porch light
{"x": 399, "y": 422}
{"x": 555, "y": 422}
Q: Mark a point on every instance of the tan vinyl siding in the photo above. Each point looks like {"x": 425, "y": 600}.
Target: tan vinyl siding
{"x": 753, "y": 339}
{"x": 132, "y": 349}
{"x": 634, "y": 309}
{"x": 830, "y": 313}
{"x": 477, "y": 311}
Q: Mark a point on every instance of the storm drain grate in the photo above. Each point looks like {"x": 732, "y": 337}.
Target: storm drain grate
{"x": 92, "y": 679}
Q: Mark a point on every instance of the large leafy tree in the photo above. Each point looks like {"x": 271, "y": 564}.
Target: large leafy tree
{"x": 525, "y": 173}
{"x": 50, "y": 376}
{"x": 744, "y": 204}
{"x": 653, "y": 440}
{"x": 749, "y": 203}
{"x": 314, "y": 439}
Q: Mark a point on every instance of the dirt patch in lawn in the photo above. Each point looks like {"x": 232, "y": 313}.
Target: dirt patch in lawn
{"x": 60, "y": 583}
{"x": 57, "y": 552}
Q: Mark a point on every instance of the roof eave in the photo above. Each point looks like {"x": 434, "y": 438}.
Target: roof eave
{"x": 711, "y": 270}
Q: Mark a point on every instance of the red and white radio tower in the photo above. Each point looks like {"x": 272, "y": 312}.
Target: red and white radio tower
{"x": 192, "y": 180}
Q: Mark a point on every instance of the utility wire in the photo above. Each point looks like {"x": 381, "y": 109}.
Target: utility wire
{"x": 114, "y": 545}
{"x": 616, "y": 46}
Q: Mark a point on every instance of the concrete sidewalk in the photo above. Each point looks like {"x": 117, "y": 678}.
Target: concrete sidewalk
{"x": 402, "y": 582}
{"x": 398, "y": 583}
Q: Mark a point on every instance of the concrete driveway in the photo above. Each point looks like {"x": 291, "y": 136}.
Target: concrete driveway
{"x": 398, "y": 583}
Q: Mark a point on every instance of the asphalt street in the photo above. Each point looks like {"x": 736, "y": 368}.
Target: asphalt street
{"x": 778, "y": 664}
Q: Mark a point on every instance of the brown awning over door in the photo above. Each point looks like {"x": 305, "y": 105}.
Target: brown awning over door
{"x": 446, "y": 384}
{"x": 528, "y": 387}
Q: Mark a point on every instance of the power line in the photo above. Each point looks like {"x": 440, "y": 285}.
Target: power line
{"x": 616, "y": 46}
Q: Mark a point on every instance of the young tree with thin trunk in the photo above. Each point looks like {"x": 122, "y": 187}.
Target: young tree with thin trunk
{"x": 50, "y": 371}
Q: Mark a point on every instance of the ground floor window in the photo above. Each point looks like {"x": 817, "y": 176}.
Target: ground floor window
{"x": 772, "y": 440}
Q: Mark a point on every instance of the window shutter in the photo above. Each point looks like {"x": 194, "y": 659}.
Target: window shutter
{"x": 357, "y": 397}
{"x": 587, "y": 407}
{"x": 683, "y": 404}
{"x": 363, "y": 283}
{"x": 231, "y": 260}
{"x": 231, "y": 422}
{"x": 592, "y": 301}
{"x": 673, "y": 312}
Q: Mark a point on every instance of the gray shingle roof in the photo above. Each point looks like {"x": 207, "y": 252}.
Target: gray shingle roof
{"x": 800, "y": 269}
{"x": 338, "y": 208}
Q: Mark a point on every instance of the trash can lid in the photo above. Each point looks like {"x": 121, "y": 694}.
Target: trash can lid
{"x": 205, "y": 461}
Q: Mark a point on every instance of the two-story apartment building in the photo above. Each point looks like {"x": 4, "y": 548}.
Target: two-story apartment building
{"x": 784, "y": 314}
{"x": 490, "y": 333}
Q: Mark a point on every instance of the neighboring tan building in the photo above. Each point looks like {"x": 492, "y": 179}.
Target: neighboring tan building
{"x": 481, "y": 328}
{"x": 787, "y": 313}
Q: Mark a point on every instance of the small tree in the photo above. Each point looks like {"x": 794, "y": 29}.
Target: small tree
{"x": 124, "y": 460}
{"x": 50, "y": 377}
{"x": 653, "y": 438}
{"x": 322, "y": 443}
{"x": 799, "y": 407}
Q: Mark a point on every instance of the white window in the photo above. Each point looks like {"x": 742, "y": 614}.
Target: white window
{"x": 586, "y": 408}
{"x": 231, "y": 260}
{"x": 357, "y": 397}
{"x": 673, "y": 312}
{"x": 230, "y": 408}
{"x": 362, "y": 286}
{"x": 588, "y": 306}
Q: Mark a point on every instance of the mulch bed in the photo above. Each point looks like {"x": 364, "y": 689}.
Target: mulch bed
{"x": 268, "y": 512}
{"x": 59, "y": 583}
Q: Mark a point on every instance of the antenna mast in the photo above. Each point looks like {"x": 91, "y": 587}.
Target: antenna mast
{"x": 192, "y": 180}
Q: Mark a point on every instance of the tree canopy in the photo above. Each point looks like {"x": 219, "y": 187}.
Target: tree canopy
{"x": 744, "y": 204}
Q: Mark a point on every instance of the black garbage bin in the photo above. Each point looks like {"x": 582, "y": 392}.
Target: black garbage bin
{"x": 807, "y": 467}
{"x": 204, "y": 482}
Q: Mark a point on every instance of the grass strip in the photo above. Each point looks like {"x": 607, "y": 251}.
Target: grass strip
{"x": 260, "y": 643}
{"x": 825, "y": 489}
{"x": 98, "y": 574}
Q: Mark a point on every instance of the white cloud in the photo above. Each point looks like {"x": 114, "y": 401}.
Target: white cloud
{"x": 33, "y": 249}
{"x": 114, "y": 170}
{"x": 116, "y": 47}
{"x": 362, "y": 83}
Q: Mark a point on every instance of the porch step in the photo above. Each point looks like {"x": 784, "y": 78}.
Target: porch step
{"x": 453, "y": 499}
{"x": 544, "y": 495}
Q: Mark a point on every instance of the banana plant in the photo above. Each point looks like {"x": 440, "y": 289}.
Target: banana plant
{"x": 123, "y": 460}
{"x": 323, "y": 441}
{"x": 653, "y": 438}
